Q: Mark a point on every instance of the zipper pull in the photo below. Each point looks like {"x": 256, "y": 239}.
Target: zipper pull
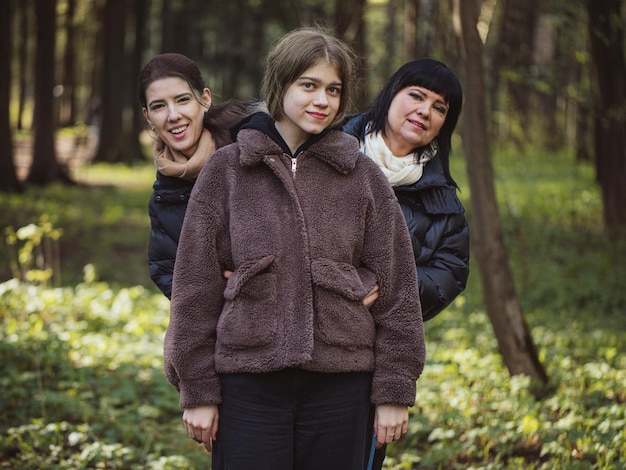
{"x": 294, "y": 162}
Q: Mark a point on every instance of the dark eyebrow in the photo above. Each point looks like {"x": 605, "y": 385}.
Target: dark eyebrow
{"x": 317, "y": 80}
{"x": 150, "y": 103}
{"x": 420, "y": 90}
{"x": 176, "y": 97}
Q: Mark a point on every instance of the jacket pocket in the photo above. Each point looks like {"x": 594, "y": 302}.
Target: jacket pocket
{"x": 249, "y": 317}
{"x": 340, "y": 317}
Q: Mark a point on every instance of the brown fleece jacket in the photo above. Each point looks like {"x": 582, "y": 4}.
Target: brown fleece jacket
{"x": 300, "y": 238}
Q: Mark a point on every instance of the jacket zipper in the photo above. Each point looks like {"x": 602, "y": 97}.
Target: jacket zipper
{"x": 294, "y": 163}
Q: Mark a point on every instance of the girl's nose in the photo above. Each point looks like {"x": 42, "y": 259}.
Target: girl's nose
{"x": 321, "y": 99}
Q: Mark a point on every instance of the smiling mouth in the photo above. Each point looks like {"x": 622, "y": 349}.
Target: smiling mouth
{"x": 178, "y": 130}
{"x": 319, "y": 116}
{"x": 418, "y": 124}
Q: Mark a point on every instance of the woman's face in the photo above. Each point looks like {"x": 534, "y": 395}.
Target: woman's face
{"x": 310, "y": 104}
{"x": 175, "y": 113}
{"x": 415, "y": 117}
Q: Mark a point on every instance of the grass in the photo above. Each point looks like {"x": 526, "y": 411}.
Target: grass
{"x": 81, "y": 375}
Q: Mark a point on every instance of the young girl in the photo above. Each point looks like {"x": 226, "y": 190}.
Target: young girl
{"x": 276, "y": 365}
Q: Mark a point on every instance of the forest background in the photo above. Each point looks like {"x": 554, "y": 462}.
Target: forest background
{"x": 82, "y": 325}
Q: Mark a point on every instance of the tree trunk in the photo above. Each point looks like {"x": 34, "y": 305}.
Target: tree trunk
{"x": 45, "y": 168}
{"x": 351, "y": 29}
{"x": 8, "y": 177}
{"x": 503, "y": 307}
{"x": 94, "y": 104}
{"x": 411, "y": 41}
{"x": 387, "y": 63}
{"x": 67, "y": 115}
{"x": 23, "y": 10}
{"x": 235, "y": 56}
{"x": 141, "y": 12}
{"x": 117, "y": 143}
{"x": 174, "y": 26}
{"x": 512, "y": 62}
{"x": 584, "y": 121}
{"x": 607, "y": 53}
{"x": 260, "y": 19}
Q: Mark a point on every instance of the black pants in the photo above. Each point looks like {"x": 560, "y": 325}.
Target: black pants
{"x": 293, "y": 420}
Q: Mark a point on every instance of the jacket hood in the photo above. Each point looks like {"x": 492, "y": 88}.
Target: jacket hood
{"x": 355, "y": 124}
{"x": 265, "y": 123}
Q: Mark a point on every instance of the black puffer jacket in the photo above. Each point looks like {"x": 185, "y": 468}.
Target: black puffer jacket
{"x": 438, "y": 228}
{"x": 167, "y": 207}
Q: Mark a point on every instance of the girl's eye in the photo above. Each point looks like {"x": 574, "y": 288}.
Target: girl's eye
{"x": 184, "y": 99}
{"x": 308, "y": 85}
{"x": 156, "y": 106}
{"x": 441, "y": 109}
{"x": 416, "y": 96}
{"x": 333, "y": 90}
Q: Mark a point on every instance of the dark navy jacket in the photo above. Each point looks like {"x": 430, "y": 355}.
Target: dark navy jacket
{"x": 438, "y": 228}
{"x": 167, "y": 207}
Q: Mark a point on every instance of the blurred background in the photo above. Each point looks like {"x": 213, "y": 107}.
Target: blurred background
{"x": 74, "y": 63}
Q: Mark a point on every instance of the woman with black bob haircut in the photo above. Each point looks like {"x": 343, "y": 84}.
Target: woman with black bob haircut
{"x": 407, "y": 131}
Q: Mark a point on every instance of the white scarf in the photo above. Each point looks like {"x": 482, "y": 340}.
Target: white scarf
{"x": 173, "y": 163}
{"x": 398, "y": 170}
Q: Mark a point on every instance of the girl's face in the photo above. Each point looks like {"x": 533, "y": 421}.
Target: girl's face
{"x": 175, "y": 113}
{"x": 310, "y": 104}
{"x": 415, "y": 117}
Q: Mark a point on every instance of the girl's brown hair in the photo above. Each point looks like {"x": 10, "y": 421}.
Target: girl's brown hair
{"x": 298, "y": 51}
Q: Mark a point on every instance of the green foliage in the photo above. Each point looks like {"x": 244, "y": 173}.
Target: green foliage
{"x": 103, "y": 221}
{"x": 37, "y": 251}
{"x": 81, "y": 381}
{"x": 471, "y": 414}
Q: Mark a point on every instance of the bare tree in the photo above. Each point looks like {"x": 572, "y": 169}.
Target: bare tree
{"x": 117, "y": 143}
{"x": 45, "y": 168}
{"x": 23, "y": 11}
{"x": 503, "y": 306}
{"x": 68, "y": 99}
{"x": 411, "y": 37}
{"x": 141, "y": 11}
{"x": 8, "y": 177}
{"x": 390, "y": 39}
{"x": 606, "y": 33}
{"x": 351, "y": 28}
{"x": 512, "y": 62}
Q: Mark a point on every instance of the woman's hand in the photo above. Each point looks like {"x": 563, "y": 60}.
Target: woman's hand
{"x": 390, "y": 423}
{"x": 371, "y": 297}
{"x": 201, "y": 424}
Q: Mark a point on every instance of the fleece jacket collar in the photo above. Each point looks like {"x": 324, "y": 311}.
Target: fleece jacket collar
{"x": 257, "y": 137}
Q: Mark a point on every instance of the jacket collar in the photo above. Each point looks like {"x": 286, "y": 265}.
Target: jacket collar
{"x": 257, "y": 138}
{"x": 432, "y": 177}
